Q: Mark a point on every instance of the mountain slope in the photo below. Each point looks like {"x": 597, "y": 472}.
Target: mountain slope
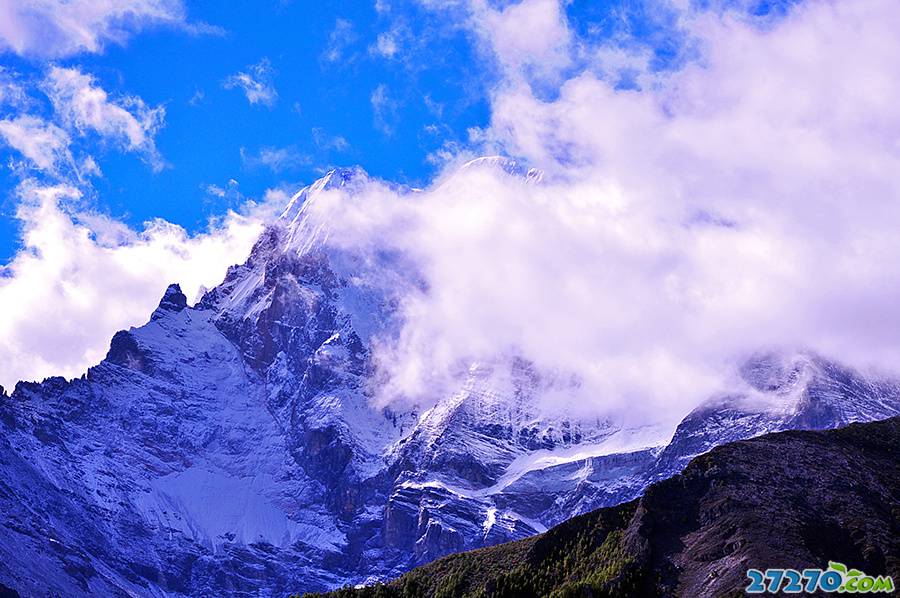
{"x": 789, "y": 500}
{"x": 234, "y": 446}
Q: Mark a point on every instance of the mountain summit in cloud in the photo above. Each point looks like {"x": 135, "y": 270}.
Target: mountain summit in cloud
{"x": 683, "y": 232}
{"x": 243, "y": 444}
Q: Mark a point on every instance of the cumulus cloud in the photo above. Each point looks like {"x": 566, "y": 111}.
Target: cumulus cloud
{"x": 531, "y": 33}
{"x": 256, "y": 83}
{"x": 530, "y": 39}
{"x": 89, "y": 276}
{"x": 81, "y": 104}
{"x": 55, "y": 28}
{"x": 747, "y": 201}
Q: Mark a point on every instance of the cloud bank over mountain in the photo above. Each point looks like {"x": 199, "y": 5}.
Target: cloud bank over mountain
{"x": 82, "y": 276}
{"x": 747, "y": 200}
{"x": 743, "y": 200}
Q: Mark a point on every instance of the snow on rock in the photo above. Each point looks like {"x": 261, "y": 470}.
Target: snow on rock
{"x": 232, "y": 446}
{"x": 212, "y": 507}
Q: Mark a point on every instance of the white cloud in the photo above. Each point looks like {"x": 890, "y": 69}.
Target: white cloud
{"x": 44, "y": 144}
{"x": 530, "y": 33}
{"x": 384, "y": 109}
{"x": 386, "y": 45}
{"x": 529, "y": 39}
{"x": 52, "y": 144}
{"x": 325, "y": 141}
{"x": 90, "y": 167}
{"x": 91, "y": 276}
{"x": 339, "y": 40}
{"x": 276, "y": 159}
{"x": 12, "y": 92}
{"x": 256, "y": 83}
{"x": 215, "y": 190}
{"x": 80, "y": 103}
{"x": 748, "y": 201}
{"x": 54, "y": 28}
{"x": 616, "y": 64}
{"x": 230, "y": 191}
{"x": 400, "y": 43}
{"x": 197, "y": 98}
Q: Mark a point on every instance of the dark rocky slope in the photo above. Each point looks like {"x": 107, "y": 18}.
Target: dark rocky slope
{"x": 792, "y": 499}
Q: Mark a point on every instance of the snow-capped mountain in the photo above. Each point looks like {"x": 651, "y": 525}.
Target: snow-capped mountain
{"x": 234, "y": 447}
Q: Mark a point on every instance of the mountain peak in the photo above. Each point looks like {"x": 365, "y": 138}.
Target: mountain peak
{"x": 508, "y": 165}
{"x": 336, "y": 178}
{"x": 354, "y": 178}
{"x": 173, "y": 301}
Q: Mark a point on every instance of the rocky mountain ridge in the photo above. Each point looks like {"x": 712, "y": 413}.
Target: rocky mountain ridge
{"x": 233, "y": 446}
{"x": 740, "y": 506}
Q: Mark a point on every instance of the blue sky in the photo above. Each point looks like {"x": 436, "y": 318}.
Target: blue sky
{"x": 325, "y": 65}
{"x": 383, "y": 85}
{"x": 718, "y": 173}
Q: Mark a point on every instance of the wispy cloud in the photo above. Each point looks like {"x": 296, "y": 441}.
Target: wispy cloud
{"x": 12, "y": 90}
{"x": 215, "y": 190}
{"x": 197, "y": 98}
{"x": 43, "y": 144}
{"x": 53, "y": 143}
{"x": 329, "y": 142}
{"x": 57, "y": 28}
{"x": 746, "y": 201}
{"x": 386, "y": 45}
{"x": 276, "y": 159}
{"x": 256, "y": 83}
{"x": 384, "y": 109}
{"x": 339, "y": 40}
{"x": 82, "y": 105}
{"x": 531, "y": 37}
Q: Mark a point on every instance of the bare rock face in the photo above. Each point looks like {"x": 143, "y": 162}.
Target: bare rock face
{"x": 232, "y": 447}
{"x": 173, "y": 302}
{"x": 743, "y": 505}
